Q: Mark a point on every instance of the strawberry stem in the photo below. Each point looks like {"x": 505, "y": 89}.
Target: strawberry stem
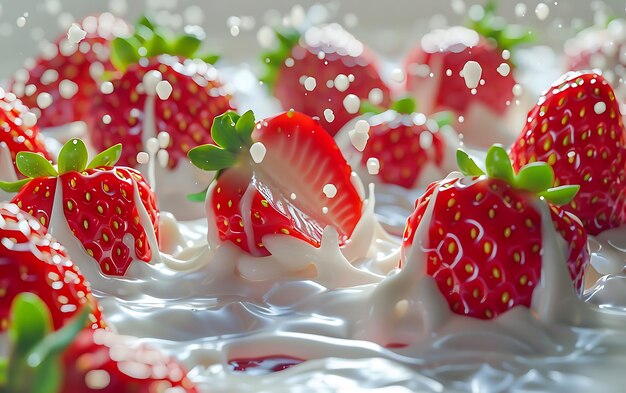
{"x": 405, "y": 105}
{"x": 506, "y": 36}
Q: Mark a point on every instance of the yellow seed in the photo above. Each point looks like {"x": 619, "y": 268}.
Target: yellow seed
{"x": 457, "y": 216}
{"x": 88, "y": 196}
{"x": 495, "y": 272}
{"x": 70, "y": 206}
{"x": 505, "y": 297}
{"x": 285, "y": 231}
{"x": 85, "y": 224}
{"x": 469, "y": 268}
{"x": 451, "y": 247}
{"x": 219, "y": 206}
{"x": 230, "y": 203}
{"x": 523, "y": 280}
{"x": 90, "y": 252}
{"x": 105, "y": 237}
{"x": 105, "y": 187}
{"x": 475, "y": 293}
{"x": 42, "y": 220}
{"x": 517, "y": 257}
{"x": 547, "y": 144}
{"x": 487, "y": 247}
{"x": 473, "y": 233}
{"x": 479, "y": 196}
{"x": 552, "y": 159}
{"x": 116, "y": 225}
{"x": 72, "y": 183}
{"x": 449, "y": 281}
{"x": 118, "y": 251}
{"x": 507, "y": 232}
{"x": 451, "y": 202}
{"x": 264, "y": 203}
{"x": 488, "y": 313}
{"x": 492, "y": 213}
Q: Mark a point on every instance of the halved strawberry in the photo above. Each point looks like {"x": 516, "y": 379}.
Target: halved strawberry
{"x": 195, "y": 95}
{"x": 576, "y": 127}
{"x": 483, "y": 244}
{"x": 14, "y": 131}
{"x": 70, "y": 73}
{"x": 273, "y": 178}
{"x": 82, "y": 361}
{"x": 99, "y": 202}
{"x": 31, "y": 261}
{"x": 338, "y": 65}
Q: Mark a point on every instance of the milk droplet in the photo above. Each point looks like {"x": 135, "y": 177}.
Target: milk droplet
{"x": 29, "y": 119}
{"x": 520, "y": 9}
{"x": 21, "y": 21}
{"x": 542, "y": 11}
{"x": 471, "y": 72}
{"x": 362, "y": 126}
{"x": 266, "y": 37}
{"x": 329, "y": 115}
{"x": 164, "y": 139}
{"x": 341, "y": 82}
{"x": 458, "y": 6}
{"x": 164, "y": 89}
{"x": 152, "y": 145}
{"x": 373, "y": 166}
{"x": 310, "y": 83}
{"x": 449, "y": 72}
{"x": 163, "y": 156}
{"x": 397, "y": 75}
{"x": 143, "y": 157}
{"x": 461, "y": 119}
{"x": 44, "y": 100}
{"x": 358, "y": 139}
{"x": 106, "y": 119}
{"x": 351, "y": 103}
{"x": 289, "y": 62}
{"x": 325, "y": 210}
{"x": 49, "y": 76}
{"x": 599, "y": 107}
{"x": 506, "y": 54}
{"x": 75, "y": 34}
{"x": 257, "y": 152}
{"x": 292, "y": 196}
{"x": 330, "y": 190}
{"x": 426, "y": 139}
{"x": 517, "y": 89}
{"x": 151, "y": 80}
{"x": 106, "y": 87}
{"x": 375, "y": 96}
{"x": 67, "y": 88}
{"x": 504, "y": 69}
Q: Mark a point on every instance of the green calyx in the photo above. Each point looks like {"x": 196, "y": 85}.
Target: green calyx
{"x": 406, "y": 106}
{"x": 150, "y": 40}
{"x": 506, "y": 36}
{"x": 34, "y": 364}
{"x": 275, "y": 58}
{"x": 536, "y": 177}
{"x": 232, "y": 135}
{"x": 73, "y": 157}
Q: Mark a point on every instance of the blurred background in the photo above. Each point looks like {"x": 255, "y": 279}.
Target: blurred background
{"x": 389, "y": 27}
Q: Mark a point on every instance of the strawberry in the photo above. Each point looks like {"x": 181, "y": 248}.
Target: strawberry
{"x": 70, "y": 73}
{"x": 32, "y": 261}
{"x": 14, "y": 131}
{"x": 483, "y": 242}
{"x": 440, "y": 75}
{"x": 81, "y": 361}
{"x": 271, "y": 180}
{"x": 403, "y": 143}
{"x": 98, "y": 202}
{"x": 339, "y": 65}
{"x": 196, "y": 97}
{"x": 576, "y": 127}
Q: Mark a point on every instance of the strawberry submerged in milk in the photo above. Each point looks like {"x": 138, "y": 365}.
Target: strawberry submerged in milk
{"x": 100, "y": 203}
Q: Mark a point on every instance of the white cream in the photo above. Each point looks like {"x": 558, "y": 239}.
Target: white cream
{"x": 7, "y": 170}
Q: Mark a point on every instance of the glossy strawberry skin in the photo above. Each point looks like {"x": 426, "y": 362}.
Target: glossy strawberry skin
{"x": 301, "y": 158}
{"x": 103, "y": 362}
{"x": 77, "y": 65}
{"x": 99, "y": 207}
{"x": 401, "y": 156}
{"x": 17, "y": 136}
{"x": 290, "y": 91}
{"x": 485, "y": 243}
{"x": 583, "y": 146}
{"x": 451, "y": 91}
{"x": 32, "y": 261}
{"x": 187, "y": 115}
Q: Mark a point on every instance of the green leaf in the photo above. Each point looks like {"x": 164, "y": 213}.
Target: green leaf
{"x": 244, "y": 127}
{"x": 30, "y": 322}
{"x": 124, "y": 52}
{"x": 287, "y": 39}
{"x": 189, "y": 43}
{"x": 535, "y": 177}
{"x": 467, "y": 166}
{"x": 498, "y": 164}
{"x": 47, "y": 378}
{"x": 34, "y": 165}
{"x": 368, "y": 107}
{"x": 197, "y": 197}
{"x": 404, "y": 105}
{"x": 4, "y": 368}
{"x": 157, "y": 44}
{"x": 224, "y": 132}
{"x": 561, "y": 195}
{"x": 73, "y": 156}
{"x": 109, "y": 157}
{"x": 212, "y": 158}
{"x": 209, "y": 58}
{"x": 444, "y": 118}
{"x": 15, "y": 186}
{"x": 146, "y": 21}
{"x": 143, "y": 33}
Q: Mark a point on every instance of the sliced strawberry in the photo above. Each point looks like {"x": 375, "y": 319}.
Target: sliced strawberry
{"x": 576, "y": 127}
{"x": 98, "y": 203}
{"x": 32, "y": 261}
{"x": 338, "y": 63}
{"x": 70, "y": 73}
{"x": 14, "y": 131}
{"x": 82, "y": 361}
{"x": 484, "y": 245}
{"x": 282, "y": 193}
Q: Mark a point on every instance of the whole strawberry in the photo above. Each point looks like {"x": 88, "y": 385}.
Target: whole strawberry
{"x": 576, "y": 127}
{"x": 31, "y": 261}
{"x": 315, "y": 71}
{"x": 283, "y": 175}
{"x": 99, "y": 202}
{"x": 162, "y": 86}
{"x": 82, "y": 361}
{"x": 18, "y": 131}
{"x": 67, "y": 74}
{"x": 484, "y": 237}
